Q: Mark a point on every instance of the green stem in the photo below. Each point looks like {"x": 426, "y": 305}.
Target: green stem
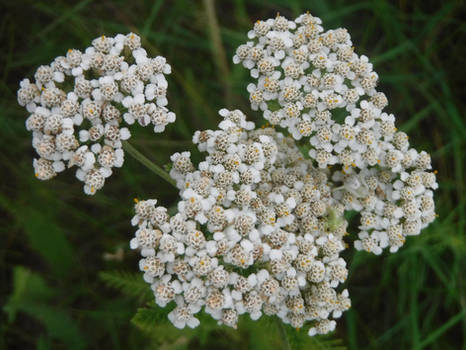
{"x": 283, "y": 336}
{"x": 147, "y": 163}
{"x": 218, "y": 50}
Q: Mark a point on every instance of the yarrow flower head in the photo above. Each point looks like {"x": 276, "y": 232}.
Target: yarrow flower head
{"x": 77, "y": 104}
{"x": 305, "y": 78}
{"x": 256, "y": 231}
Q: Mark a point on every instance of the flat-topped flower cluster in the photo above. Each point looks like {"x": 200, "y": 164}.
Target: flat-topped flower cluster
{"x": 256, "y": 232}
{"x": 312, "y": 83}
{"x": 259, "y": 227}
{"x": 77, "y": 104}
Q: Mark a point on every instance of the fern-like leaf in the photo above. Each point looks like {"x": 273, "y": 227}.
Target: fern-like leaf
{"x": 301, "y": 340}
{"x": 128, "y": 283}
{"x": 327, "y": 343}
{"x": 152, "y": 320}
{"x": 146, "y": 319}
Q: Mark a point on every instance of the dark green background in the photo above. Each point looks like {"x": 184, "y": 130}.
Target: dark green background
{"x": 61, "y": 287}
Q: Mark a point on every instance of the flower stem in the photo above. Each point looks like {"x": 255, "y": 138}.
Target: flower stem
{"x": 147, "y": 163}
{"x": 283, "y": 336}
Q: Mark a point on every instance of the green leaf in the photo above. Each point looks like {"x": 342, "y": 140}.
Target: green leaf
{"x": 148, "y": 318}
{"x": 43, "y": 343}
{"x": 27, "y": 286}
{"x": 57, "y": 322}
{"x": 129, "y": 283}
{"x": 48, "y": 239}
{"x": 299, "y": 339}
{"x": 446, "y": 326}
{"x": 32, "y": 296}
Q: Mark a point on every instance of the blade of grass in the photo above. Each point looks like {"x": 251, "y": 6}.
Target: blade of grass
{"x": 413, "y": 300}
{"x": 439, "y": 331}
{"x": 218, "y": 52}
{"x": 397, "y": 50}
{"x": 65, "y": 15}
{"x": 416, "y": 118}
{"x": 150, "y": 19}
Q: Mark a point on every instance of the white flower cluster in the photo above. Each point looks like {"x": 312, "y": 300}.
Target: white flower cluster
{"x": 257, "y": 231}
{"x": 77, "y": 104}
{"x": 310, "y": 82}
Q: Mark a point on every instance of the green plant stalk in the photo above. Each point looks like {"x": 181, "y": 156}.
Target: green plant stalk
{"x": 218, "y": 50}
{"x": 283, "y": 336}
{"x": 147, "y": 163}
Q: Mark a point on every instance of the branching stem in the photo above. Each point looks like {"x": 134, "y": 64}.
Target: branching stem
{"x": 147, "y": 163}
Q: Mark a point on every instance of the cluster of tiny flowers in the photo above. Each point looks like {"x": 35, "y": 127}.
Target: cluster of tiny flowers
{"x": 256, "y": 232}
{"x": 312, "y": 83}
{"x": 77, "y": 104}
